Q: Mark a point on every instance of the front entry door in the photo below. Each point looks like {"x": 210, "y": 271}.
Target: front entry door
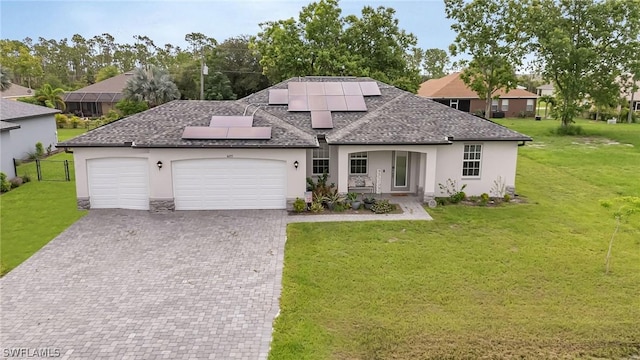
{"x": 400, "y": 171}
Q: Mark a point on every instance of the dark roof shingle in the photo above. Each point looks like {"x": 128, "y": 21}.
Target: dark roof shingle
{"x": 14, "y": 110}
{"x": 394, "y": 117}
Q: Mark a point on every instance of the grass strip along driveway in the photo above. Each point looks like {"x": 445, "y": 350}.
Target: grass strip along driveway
{"x": 516, "y": 281}
{"x": 35, "y": 213}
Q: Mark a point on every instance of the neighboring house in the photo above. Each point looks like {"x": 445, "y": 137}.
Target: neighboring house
{"x": 16, "y": 91}
{"x": 452, "y": 91}
{"x": 97, "y": 99}
{"x": 24, "y": 125}
{"x": 546, "y": 89}
{"x": 634, "y": 98}
{"x": 256, "y": 152}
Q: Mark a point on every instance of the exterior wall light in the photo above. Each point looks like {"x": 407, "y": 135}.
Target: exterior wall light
{"x": 296, "y": 164}
{"x": 159, "y": 163}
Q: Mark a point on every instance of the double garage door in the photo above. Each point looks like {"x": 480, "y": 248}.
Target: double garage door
{"x": 203, "y": 184}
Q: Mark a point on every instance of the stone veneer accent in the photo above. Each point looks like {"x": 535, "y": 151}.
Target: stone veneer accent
{"x": 83, "y": 203}
{"x": 161, "y": 205}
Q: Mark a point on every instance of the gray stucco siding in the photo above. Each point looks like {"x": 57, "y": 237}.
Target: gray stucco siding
{"x": 32, "y": 130}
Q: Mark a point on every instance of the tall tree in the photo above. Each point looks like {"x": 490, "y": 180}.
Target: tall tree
{"x": 491, "y": 32}
{"x": 580, "y": 43}
{"x": 107, "y": 72}
{"x": 51, "y": 97}
{"x": 241, "y": 66}
{"x": 323, "y": 42}
{"x": 152, "y": 85}
{"x": 5, "y": 81}
{"x": 435, "y": 62}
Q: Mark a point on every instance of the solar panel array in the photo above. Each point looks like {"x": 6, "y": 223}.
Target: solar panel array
{"x": 227, "y": 128}
{"x": 231, "y": 121}
{"x": 321, "y": 98}
{"x": 226, "y": 133}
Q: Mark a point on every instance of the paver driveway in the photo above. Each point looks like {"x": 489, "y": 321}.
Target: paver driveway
{"x": 133, "y": 285}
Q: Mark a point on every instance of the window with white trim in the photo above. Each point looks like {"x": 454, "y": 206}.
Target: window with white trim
{"x": 505, "y": 104}
{"x": 358, "y": 163}
{"x": 638, "y": 106}
{"x": 471, "y": 160}
{"x": 453, "y": 103}
{"x": 494, "y": 105}
{"x": 320, "y": 159}
{"x": 530, "y": 103}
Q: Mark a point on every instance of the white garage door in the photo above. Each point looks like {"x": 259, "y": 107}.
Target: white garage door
{"x": 121, "y": 183}
{"x": 218, "y": 184}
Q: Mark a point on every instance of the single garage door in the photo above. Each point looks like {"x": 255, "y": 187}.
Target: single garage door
{"x": 121, "y": 183}
{"x": 219, "y": 184}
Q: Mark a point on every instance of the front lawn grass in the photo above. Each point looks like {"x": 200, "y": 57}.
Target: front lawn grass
{"x": 33, "y": 214}
{"x": 66, "y": 134}
{"x": 516, "y": 281}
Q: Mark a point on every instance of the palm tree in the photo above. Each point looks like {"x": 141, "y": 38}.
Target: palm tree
{"x": 51, "y": 97}
{"x": 153, "y": 86}
{"x": 548, "y": 100}
{"x": 5, "y": 82}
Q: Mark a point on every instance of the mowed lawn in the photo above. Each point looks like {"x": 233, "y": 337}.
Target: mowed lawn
{"x": 36, "y": 212}
{"x": 518, "y": 281}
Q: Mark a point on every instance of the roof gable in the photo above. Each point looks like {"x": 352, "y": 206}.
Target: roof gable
{"x": 111, "y": 85}
{"x": 452, "y": 87}
{"x": 17, "y": 91}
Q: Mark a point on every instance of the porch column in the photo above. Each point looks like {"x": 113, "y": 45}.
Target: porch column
{"x": 430, "y": 175}
{"x": 343, "y": 169}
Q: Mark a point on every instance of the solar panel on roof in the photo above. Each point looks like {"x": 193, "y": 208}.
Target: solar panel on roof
{"x": 203, "y": 132}
{"x": 298, "y": 103}
{"x": 231, "y": 121}
{"x": 297, "y": 88}
{"x": 317, "y": 102}
{"x": 336, "y": 103}
{"x": 355, "y": 103}
{"x": 333, "y": 88}
{"x": 321, "y": 120}
{"x": 370, "y": 88}
{"x": 259, "y": 133}
{"x": 278, "y": 96}
{"x": 315, "y": 88}
{"x": 351, "y": 88}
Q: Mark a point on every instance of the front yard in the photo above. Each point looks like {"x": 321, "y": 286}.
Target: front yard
{"x": 35, "y": 213}
{"x": 517, "y": 281}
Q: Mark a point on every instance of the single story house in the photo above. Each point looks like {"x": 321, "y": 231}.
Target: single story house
{"x": 634, "y": 98}
{"x": 24, "y": 125}
{"x": 257, "y": 152}
{"x": 97, "y": 99}
{"x": 16, "y": 91}
{"x": 546, "y": 89}
{"x": 452, "y": 91}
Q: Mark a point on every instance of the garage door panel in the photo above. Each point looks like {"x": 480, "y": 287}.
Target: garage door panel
{"x": 118, "y": 183}
{"x": 229, "y": 184}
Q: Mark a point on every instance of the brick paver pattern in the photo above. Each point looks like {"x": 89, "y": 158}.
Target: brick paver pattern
{"x": 124, "y": 284}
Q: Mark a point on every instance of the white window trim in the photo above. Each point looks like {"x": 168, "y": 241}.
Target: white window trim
{"x": 530, "y": 107}
{"x": 494, "y": 105}
{"x": 504, "y": 108}
{"x": 637, "y": 106}
{"x": 479, "y": 162}
{"x": 328, "y": 158}
{"x": 453, "y": 103}
{"x": 366, "y": 158}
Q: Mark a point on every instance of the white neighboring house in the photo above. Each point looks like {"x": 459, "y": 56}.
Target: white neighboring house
{"x": 24, "y": 125}
{"x": 544, "y": 90}
{"x": 257, "y": 152}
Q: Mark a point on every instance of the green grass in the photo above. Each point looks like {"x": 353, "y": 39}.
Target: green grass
{"x": 52, "y": 168}
{"x": 33, "y": 214}
{"x": 66, "y": 134}
{"x": 517, "y": 281}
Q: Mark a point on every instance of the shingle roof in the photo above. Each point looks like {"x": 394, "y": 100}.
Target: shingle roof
{"x": 6, "y": 126}
{"x": 17, "y": 91}
{"x": 452, "y": 87}
{"x": 394, "y": 117}
{"x": 108, "y": 90}
{"x": 546, "y": 87}
{"x": 14, "y": 110}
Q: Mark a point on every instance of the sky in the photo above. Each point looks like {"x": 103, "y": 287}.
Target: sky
{"x": 169, "y": 21}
